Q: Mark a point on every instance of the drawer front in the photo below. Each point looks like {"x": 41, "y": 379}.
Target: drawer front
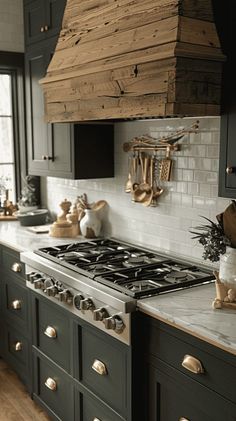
{"x": 15, "y": 301}
{"x": 54, "y": 388}
{"x": 105, "y": 369}
{"x": 90, "y": 409}
{"x": 53, "y": 335}
{"x": 16, "y": 351}
{"x": 175, "y": 397}
{"x": 11, "y": 263}
{"x": 216, "y": 373}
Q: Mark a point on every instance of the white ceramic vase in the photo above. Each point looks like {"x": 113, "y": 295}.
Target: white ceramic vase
{"x": 227, "y": 272}
{"x": 90, "y": 224}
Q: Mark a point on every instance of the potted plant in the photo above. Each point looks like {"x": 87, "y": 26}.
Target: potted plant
{"x": 219, "y": 242}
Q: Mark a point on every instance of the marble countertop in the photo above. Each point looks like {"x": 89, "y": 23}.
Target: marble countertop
{"x": 189, "y": 310}
{"x": 19, "y": 238}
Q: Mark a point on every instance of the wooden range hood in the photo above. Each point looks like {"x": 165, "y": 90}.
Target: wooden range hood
{"x": 119, "y": 59}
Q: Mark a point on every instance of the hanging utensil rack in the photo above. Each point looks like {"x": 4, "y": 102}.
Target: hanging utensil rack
{"x": 145, "y": 192}
{"x": 164, "y": 143}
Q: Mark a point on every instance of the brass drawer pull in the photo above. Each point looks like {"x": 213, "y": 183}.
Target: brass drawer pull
{"x": 99, "y": 367}
{"x": 51, "y": 384}
{"x": 183, "y": 419}
{"x": 96, "y": 419}
{"x": 16, "y": 305}
{"x": 50, "y": 332}
{"x": 16, "y": 267}
{"x": 192, "y": 364}
{"x": 18, "y": 346}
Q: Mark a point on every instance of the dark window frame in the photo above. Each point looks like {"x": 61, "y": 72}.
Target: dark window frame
{"x": 13, "y": 64}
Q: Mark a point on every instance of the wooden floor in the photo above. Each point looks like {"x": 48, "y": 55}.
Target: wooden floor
{"x": 15, "y": 402}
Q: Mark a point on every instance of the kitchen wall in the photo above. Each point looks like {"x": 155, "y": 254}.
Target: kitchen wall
{"x": 11, "y": 26}
{"x": 192, "y": 193}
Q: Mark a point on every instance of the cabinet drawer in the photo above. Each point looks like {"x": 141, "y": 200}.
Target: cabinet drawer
{"x": 90, "y": 409}
{"x": 53, "y": 388}
{"x": 105, "y": 369}
{"x": 15, "y": 301}
{"x": 175, "y": 397}
{"x": 11, "y": 263}
{"x": 218, "y": 374}
{"x": 53, "y": 333}
{"x": 16, "y": 351}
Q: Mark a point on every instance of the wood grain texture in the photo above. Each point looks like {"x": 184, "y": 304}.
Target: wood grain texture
{"x": 130, "y": 58}
{"x": 15, "y": 402}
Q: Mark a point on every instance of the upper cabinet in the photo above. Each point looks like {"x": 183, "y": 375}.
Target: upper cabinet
{"x": 58, "y": 150}
{"x": 42, "y": 19}
{"x": 226, "y": 20}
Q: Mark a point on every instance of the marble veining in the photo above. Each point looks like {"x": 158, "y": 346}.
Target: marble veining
{"x": 190, "y": 310}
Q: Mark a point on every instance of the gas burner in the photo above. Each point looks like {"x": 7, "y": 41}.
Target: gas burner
{"x": 178, "y": 277}
{"x": 143, "y": 285}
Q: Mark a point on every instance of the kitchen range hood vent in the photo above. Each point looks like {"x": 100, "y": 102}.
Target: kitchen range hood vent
{"x": 119, "y": 59}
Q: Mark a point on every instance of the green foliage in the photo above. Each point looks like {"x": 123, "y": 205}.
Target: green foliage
{"x": 211, "y": 236}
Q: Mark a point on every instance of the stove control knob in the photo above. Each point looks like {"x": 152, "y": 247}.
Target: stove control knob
{"x": 32, "y": 276}
{"x": 115, "y": 323}
{"x": 77, "y": 300}
{"x": 51, "y": 291}
{"x": 100, "y": 314}
{"x": 39, "y": 283}
{"x": 87, "y": 304}
{"x": 48, "y": 282}
{"x": 65, "y": 296}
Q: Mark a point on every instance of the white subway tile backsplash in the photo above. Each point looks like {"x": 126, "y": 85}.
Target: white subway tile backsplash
{"x": 191, "y": 192}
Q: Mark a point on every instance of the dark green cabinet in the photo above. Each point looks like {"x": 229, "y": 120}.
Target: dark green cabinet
{"x": 42, "y": 19}
{"x": 15, "y": 337}
{"x": 172, "y": 391}
{"x": 226, "y": 22}
{"x": 76, "y": 151}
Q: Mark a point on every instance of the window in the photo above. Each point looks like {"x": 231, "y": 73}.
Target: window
{"x": 7, "y": 155}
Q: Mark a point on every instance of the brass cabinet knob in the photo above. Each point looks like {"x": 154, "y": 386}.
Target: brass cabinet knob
{"x": 99, "y": 367}
{"x": 51, "y": 384}
{"x": 50, "y": 332}
{"x": 44, "y": 157}
{"x": 46, "y": 28}
{"x": 42, "y": 29}
{"x": 18, "y": 346}
{"x": 16, "y": 267}
{"x": 96, "y": 419}
{"x": 16, "y": 305}
{"x": 49, "y": 158}
{"x": 192, "y": 364}
{"x": 230, "y": 170}
{"x": 183, "y": 419}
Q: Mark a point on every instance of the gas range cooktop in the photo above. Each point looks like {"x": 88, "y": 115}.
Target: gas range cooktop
{"x": 131, "y": 270}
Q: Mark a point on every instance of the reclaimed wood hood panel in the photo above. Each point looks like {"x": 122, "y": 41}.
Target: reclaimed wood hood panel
{"x": 120, "y": 59}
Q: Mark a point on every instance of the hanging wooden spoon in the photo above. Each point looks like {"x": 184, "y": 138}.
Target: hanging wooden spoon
{"x": 139, "y": 194}
{"x": 149, "y": 195}
{"x": 128, "y": 184}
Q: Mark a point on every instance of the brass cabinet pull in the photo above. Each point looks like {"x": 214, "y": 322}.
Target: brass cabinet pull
{"x": 96, "y": 419}
{"x": 230, "y": 170}
{"x": 16, "y": 267}
{"x": 99, "y": 367}
{"x": 51, "y": 384}
{"x": 46, "y": 28}
{"x": 50, "y": 332}
{"x": 18, "y": 346}
{"x": 42, "y": 29}
{"x": 192, "y": 364}
{"x": 16, "y": 305}
{"x": 183, "y": 419}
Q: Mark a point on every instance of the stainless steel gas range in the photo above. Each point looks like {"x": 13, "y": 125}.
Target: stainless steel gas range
{"x": 101, "y": 280}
